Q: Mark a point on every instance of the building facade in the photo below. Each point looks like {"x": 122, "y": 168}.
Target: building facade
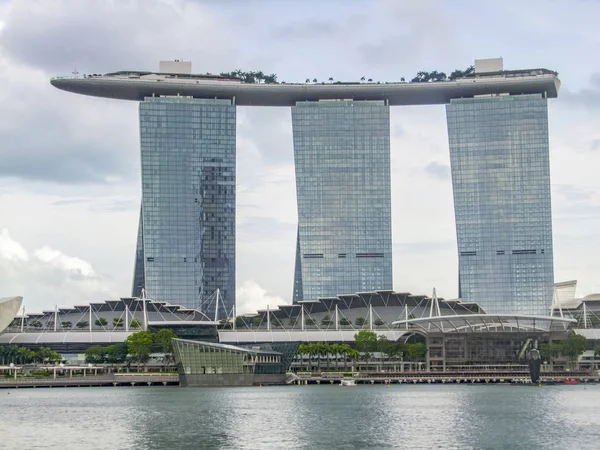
{"x": 499, "y": 156}
{"x": 186, "y": 239}
{"x": 203, "y": 364}
{"x": 342, "y": 161}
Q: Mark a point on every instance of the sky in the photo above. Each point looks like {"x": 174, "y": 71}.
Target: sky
{"x": 70, "y": 170}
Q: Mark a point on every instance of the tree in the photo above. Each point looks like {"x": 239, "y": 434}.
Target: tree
{"x": 573, "y": 347}
{"x": 95, "y": 354}
{"x": 101, "y": 322}
{"x": 116, "y": 353}
{"x": 138, "y": 346}
{"x": 345, "y": 322}
{"x": 26, "y": 355}
{"x": 225, "y": 324}
{"x": 402, "y": 79}
{"x": 360, "y": 321}
{"x": 379, "y": 322}
{"x": 164, "y": 339}
{"x": 47, "y": 355}
{"x": 256, "y": 322}
{"x": 415, "y": 352}
{"x": 550, "y": 352}
{"x": 597, "y": 351}
{"x": 309, "y": 321}
{"x": 462, "y": 73}
{"x": 370, "y": 80}
{"x": 326, "y": 321}
{"x": 135, "y": 324}
{"x": 365, "y": 342}
{"x": 82, "y": 324}
{"x": 331, "y": 79}
{"x": 307, "y": 80}
{"x": 293, "y": 321}
{"x": 240, "y": 322}
{"x": 36, "y": 324}
{"x": 362, "y": 78}
{"x": 117, "y": 322}
{"x": 314, "y": 80}
{"x": 66, "y": 324}
{"x": 384, "y": 345}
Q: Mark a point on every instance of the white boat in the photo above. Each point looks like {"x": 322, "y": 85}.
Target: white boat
{"x": 348, "y": 383}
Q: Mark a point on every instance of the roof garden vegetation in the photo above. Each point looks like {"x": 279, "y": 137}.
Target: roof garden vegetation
{"x": 260, "y": 77}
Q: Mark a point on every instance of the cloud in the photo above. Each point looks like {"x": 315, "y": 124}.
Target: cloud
{"x": 11, "y": 250}
{"x": 47, "y": 276}
{"x": 422, "y": 31}
{"x": 250, "y": 297}
{"x": 438, "y": 170}
{"x": 84, "y": 141}
{"x": 62, "y": 35}
{"x": 266, "y": 133}
{"x": 588, "y": 97}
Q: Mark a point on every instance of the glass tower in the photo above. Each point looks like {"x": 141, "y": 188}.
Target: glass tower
{"x": 501, "y": 180}
{"x": 186, "y": 239}
{"x": 342, "y": 159}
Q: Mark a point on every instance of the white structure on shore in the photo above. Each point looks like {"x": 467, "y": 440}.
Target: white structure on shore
{"x": 9, "y": 306}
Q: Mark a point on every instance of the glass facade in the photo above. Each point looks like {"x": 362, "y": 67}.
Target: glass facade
{"x": 186, "y": 242}
{"x": 203, "y": 358}
{"x": 499, "y": 156}
{"x": 342, "y": 160}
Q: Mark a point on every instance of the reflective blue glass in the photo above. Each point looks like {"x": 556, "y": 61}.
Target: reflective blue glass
{"x": 342, "y": 161}
{"x": 187, "y": 222}
{"x": 499, "y": 155}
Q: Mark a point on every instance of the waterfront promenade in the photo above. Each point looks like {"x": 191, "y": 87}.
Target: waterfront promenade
{"x": 172, "y": 379}
{"x": 112, "y": 379}
{"x": 442, "y": 378}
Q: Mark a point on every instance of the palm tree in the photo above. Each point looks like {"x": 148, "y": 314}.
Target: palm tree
{"x": 314, "y": 80}
{"x": 331, "y": 79}
{"x": 370, "y": 80}
{"x": 402, "y": 79}
{"x": 362, "y": 78}
{"x": 307, "y": 80}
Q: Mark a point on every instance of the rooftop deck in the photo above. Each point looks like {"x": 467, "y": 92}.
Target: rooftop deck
{"x": 138, "y": 85}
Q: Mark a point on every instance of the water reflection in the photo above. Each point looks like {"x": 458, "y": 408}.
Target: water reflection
{"x": 302, "y": 417}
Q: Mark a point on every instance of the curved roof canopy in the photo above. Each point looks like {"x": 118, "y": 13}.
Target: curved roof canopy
{"x": 138, "y": 85}
{"x": 498, "y": 323}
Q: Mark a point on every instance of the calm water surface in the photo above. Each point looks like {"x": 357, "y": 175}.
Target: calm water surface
{"x": 303, "y": 417}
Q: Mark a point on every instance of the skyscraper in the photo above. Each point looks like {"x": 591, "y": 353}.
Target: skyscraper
{"x": 342, "y": 160}
{"x": 499, "y": 156}
{"x": 186, "y": 240}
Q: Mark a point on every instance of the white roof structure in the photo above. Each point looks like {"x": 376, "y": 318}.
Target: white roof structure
{"x": 69, "y": 337}
{"x": 9, "y": 306}
{"x": 477, "y": 323}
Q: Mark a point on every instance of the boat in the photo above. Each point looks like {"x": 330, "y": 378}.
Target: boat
{"x": 348, "y": 383}
{"x": 570, "y": 381}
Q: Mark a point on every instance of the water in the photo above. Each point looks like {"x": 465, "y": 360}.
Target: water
{"x": 303, "y": 417}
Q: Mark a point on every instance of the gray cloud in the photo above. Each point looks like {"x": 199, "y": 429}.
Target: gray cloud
{"x": 62, "y": 145}
{"x": 587, "y": 97}
{"x": 438, "y": 170}
{"x": 421, "y": 31}
{"x": 572, "y": 193}
{"x": 98, "y": 37}
{"x": 264, "y": 228}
